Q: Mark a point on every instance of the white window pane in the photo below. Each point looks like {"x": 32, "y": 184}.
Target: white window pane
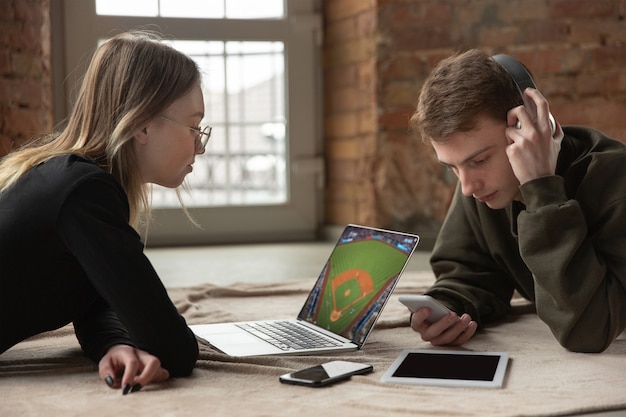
{"x": 253, "y": 63}
{"x": 244, "y": 162}
{"x": 127, "y": 7}
{"x": 254, "y": 9}
{"x": 203, "y": 9}
{"x": 211, "y": 9}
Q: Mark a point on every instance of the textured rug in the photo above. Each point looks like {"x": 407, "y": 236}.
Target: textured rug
{"x": 48, "y": 375}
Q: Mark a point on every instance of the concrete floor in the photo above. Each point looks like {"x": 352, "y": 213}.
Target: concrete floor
{"x": 224, "y": 265}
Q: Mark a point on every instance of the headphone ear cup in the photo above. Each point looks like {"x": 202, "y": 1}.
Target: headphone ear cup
{"x": 522, "y": 79}
{"x": 552, "y": 124}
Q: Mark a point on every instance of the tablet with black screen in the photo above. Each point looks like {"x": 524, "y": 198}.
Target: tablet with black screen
{"x": 450, "y": 368}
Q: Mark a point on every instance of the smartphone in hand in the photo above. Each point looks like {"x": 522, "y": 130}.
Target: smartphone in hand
{"x": 326, "y": 373}
{"x": 415, "y": 302}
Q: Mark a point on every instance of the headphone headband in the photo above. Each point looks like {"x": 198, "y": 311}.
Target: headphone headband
{"x": 522, "y": 80}
{"x": 521, "y": 77}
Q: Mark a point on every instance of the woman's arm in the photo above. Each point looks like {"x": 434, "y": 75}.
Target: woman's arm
{"x": 93, "y": 223}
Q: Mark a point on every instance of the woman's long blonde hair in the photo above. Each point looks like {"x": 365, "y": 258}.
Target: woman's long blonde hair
{"x": 132, "y": 78}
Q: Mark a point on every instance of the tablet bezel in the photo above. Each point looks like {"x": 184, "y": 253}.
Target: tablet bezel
{"x": 496, "y": 382}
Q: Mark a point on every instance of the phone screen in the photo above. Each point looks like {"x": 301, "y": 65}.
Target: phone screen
{"x": 326, "y": 373}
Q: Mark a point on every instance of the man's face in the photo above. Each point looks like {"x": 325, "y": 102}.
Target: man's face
{"x": 479, "y": 160}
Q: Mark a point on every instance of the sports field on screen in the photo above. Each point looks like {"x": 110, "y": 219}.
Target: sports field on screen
{"x": 352, "y": 289}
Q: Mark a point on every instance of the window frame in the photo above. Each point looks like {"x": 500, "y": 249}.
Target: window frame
{"x": 76, "y": 29}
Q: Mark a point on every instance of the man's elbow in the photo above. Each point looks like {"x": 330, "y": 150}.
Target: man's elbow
{"x": 584, "y": 345}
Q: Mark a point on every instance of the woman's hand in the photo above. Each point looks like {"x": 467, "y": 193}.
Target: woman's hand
{"x": 130, "y": 368}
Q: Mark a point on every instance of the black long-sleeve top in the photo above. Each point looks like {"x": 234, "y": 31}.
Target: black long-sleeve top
{"x": 68, "y": 254}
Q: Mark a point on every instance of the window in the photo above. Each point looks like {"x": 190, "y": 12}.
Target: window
{"x": 259, "y": 178}
{"x": 205, "y": 9}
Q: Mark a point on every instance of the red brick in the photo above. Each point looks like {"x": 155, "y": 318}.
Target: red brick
{"x": 367, "y": 122}
{"x": 366, "y": 76}
{"x": 350, "y": 52}
{"x": 342, "y": 213}
{"x": 367, "y": 23}
{"x": 21, "y": 93}
{"x": 26, "y": 123}
{"x": 342, "y": 9}
{"x": 598, "y": 31}
{"x": 423, "y": 37}
{"x": 340, "y": 76}
{"x": 345, "y": 149}
{"x": 607, "y": 57}
{"x": 27, "y": 65}
{"x": 603, "y": 83}
{"x": 597, "y": 112}
{"x": 498, "y": 36}
{"x": 545, "y": 31}
{"x": 583, "y": 8}
{"x": 6, "y": 144}
{"x": 520, "y": 11}
{"x": 403, "y": 66}
{"x": 399, "y": 94}
{"x": 31, "y": 12}
{"x": 340, "y": 31}
{"x": 7, "y": 11}
{"x": 342, "y": 169}
{"x": 5, "y": 61}
{"x": 395, "y": 119}
{"x": 351, "y": 98}
{"x": 354, "y": 148}
{"x": 341, "y": 125}
{"x": 575, "y": 50}
{"x": 11, "y": 35}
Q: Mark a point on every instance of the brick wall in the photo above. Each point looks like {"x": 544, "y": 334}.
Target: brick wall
{"x": 377, "y": 54}
{"x": 350, "y": 110}
{"x": 25, "y": 77}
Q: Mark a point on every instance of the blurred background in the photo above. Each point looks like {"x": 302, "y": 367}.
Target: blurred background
{"x": 309, "y": 100}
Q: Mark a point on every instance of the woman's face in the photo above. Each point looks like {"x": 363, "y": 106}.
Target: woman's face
{"x": 166, "y": 147}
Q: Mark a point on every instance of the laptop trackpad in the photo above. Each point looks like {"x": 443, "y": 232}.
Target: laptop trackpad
{"x": 241, "y": 344}
{"x": 241, "y": 338}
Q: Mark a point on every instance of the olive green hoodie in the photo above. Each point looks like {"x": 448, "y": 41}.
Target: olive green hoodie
{"x": 565, "y": 248}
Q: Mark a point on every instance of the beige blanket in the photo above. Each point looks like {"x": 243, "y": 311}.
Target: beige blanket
{"x": 48, "y": 376}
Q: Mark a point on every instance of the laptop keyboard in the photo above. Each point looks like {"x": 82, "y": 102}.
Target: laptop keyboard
{"x": 287, "y": 335}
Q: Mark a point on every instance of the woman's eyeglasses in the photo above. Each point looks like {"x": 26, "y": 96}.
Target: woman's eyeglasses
{"x": 202, "y": 134}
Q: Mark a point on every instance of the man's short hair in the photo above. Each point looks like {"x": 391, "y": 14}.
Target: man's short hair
{"x": 458, "y": 91}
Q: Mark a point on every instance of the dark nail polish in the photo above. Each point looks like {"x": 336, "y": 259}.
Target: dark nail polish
{"x": 109, "y": 380}
{"x": 126, "y": 389}
{"x": 136, "y": 388}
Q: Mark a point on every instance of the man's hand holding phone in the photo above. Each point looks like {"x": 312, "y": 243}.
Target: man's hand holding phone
{"x": 436, "y": 324}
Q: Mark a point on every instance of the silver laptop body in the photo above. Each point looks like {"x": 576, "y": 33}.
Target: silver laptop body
{"x": 341, "y": 309}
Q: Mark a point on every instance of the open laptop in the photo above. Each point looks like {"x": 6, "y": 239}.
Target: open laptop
{"x": 342, "y": 307}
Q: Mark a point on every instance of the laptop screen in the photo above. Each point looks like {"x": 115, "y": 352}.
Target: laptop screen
{"x": 357, "y": 280}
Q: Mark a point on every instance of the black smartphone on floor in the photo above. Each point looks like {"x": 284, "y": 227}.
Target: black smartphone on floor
{"x": 326, "y": 373}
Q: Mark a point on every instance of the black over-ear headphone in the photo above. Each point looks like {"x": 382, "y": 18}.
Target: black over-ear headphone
{"x": 522, "y": 79}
